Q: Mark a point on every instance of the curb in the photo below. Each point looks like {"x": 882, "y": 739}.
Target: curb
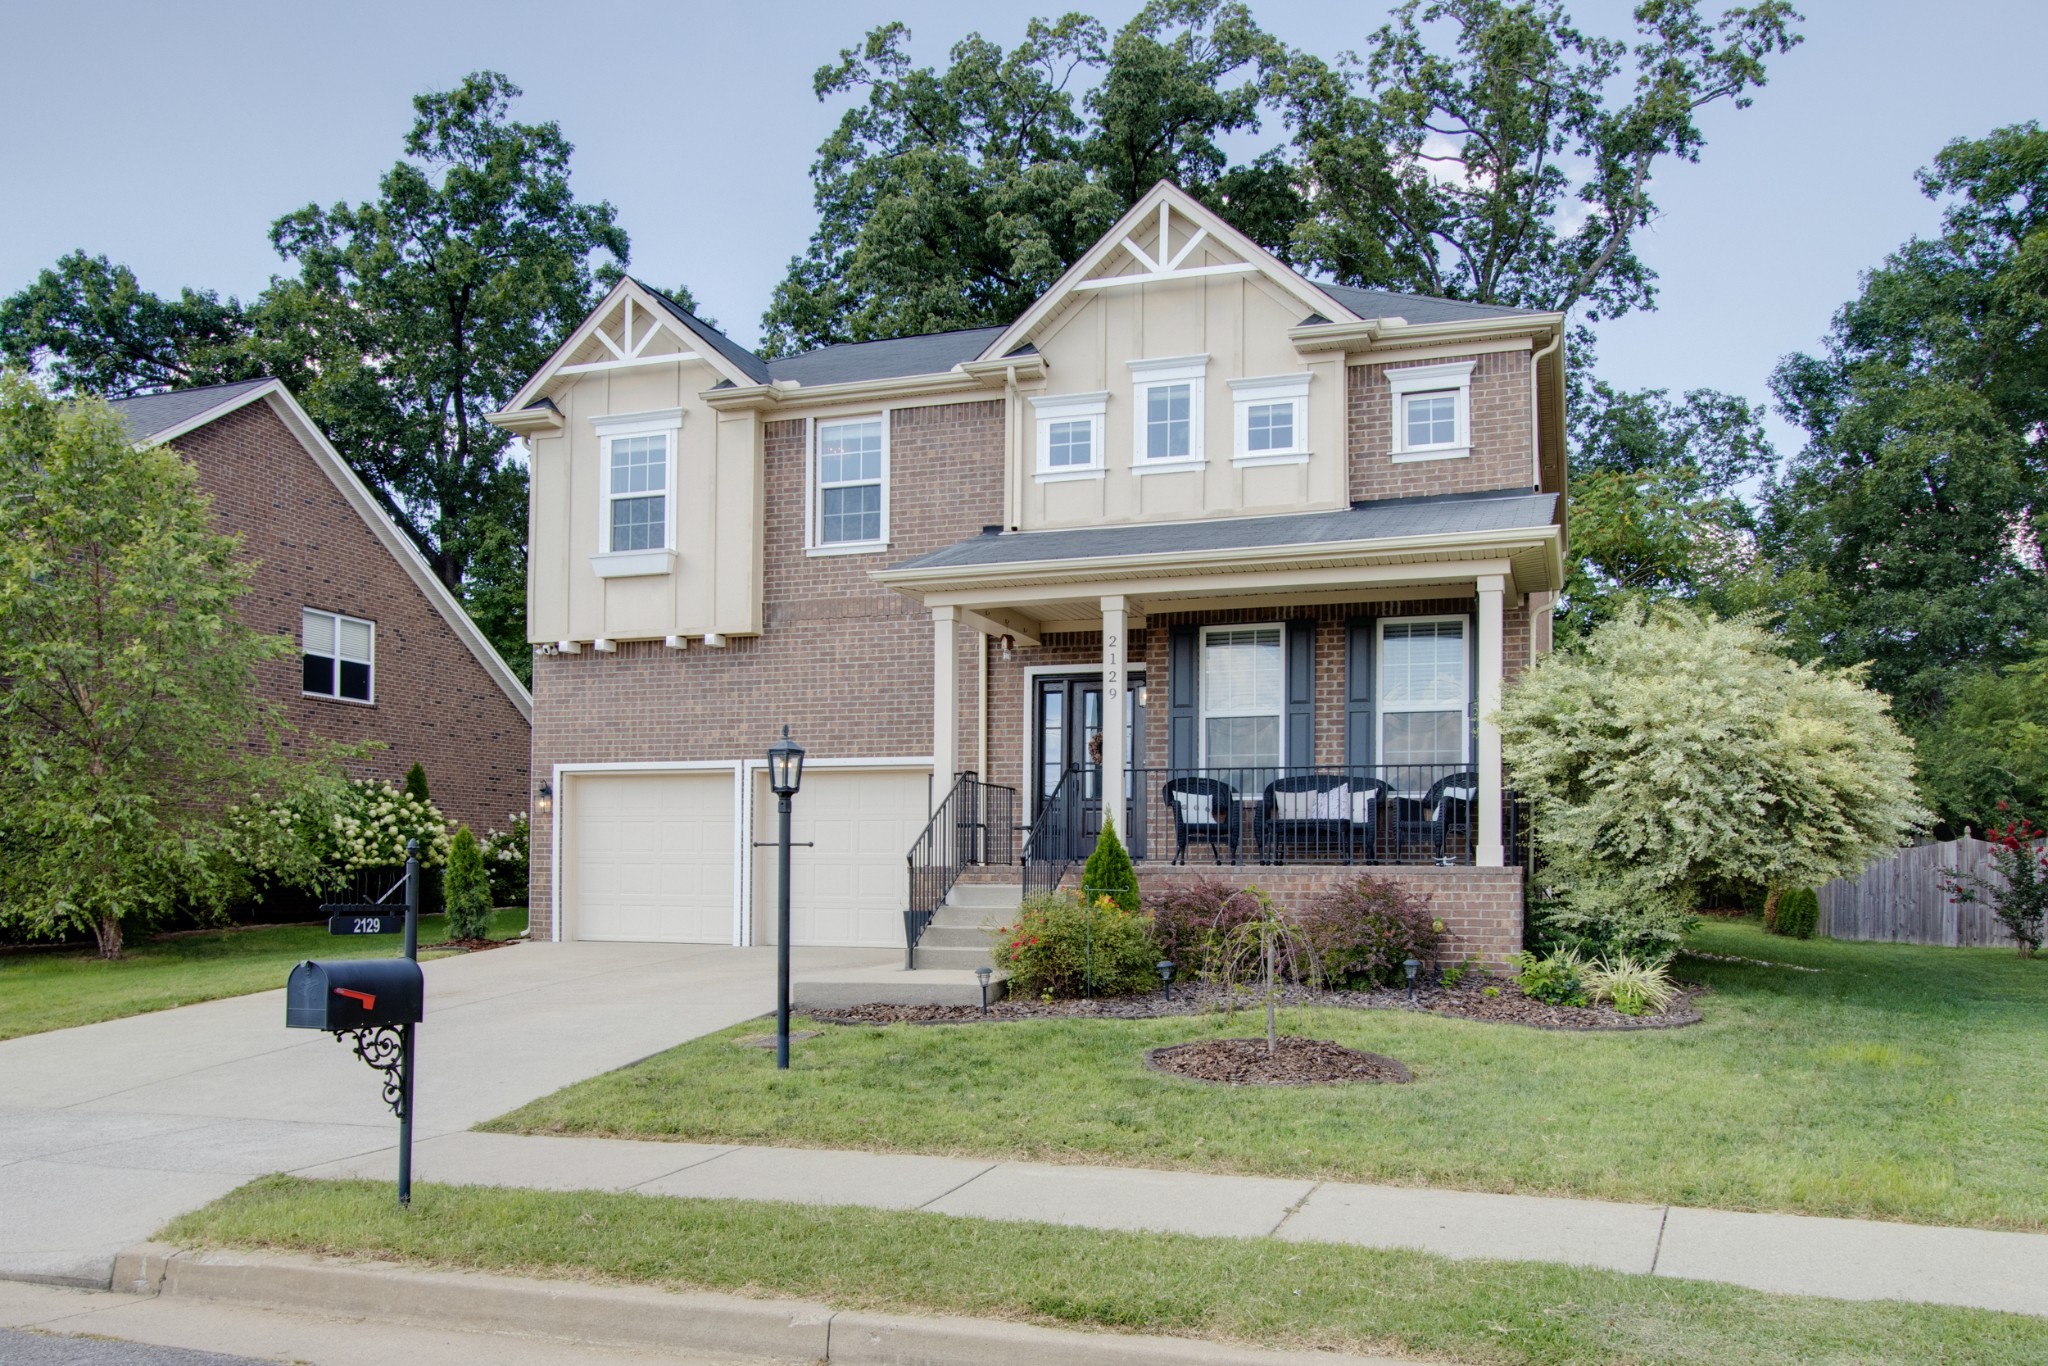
{"x": 638, "y": 1316}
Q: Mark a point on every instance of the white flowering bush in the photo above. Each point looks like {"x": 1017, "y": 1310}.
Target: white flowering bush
{"x": 506, "y": 853}
{"x": 320, "y": 838}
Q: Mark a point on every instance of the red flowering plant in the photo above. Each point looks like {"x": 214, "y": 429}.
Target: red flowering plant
{"x": 2018, "y": 895}
{"x": 1065, "y": 945}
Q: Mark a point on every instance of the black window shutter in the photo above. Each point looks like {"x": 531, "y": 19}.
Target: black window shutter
{"x": 1183, "y": 750}
{"x": 1301, "y": 693}
{"x": 1358, "y": 693}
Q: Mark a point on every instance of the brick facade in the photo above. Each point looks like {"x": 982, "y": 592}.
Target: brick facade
{"x": 435, "y": 703}
{"x": 1501, "y": 456}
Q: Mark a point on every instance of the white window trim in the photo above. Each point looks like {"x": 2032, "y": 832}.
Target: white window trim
{"x": 1247, "y": 394}
{"x": 616, "y": 564}
{"x": 1203, "y": 691}
{"x": 1379, "y": 691}
{"x": 1450, "y": 377}
{"x": 335, "y": 654}
{"x": 1051, "y": 408}
{"x": 1188, "y": 370}
{"x": 814, "y": 506}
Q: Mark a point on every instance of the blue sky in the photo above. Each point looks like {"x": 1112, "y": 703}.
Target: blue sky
{"x": 169, "y": 136}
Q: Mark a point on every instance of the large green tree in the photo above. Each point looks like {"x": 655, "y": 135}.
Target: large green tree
{"x": 1919, "y": 501}
{"x": 127, "y": 712}
{"x": 88, "y": 326}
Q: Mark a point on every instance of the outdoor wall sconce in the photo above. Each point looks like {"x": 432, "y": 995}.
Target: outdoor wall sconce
{"x": 1005, "y": 643}
{"x": 1165, "y": 969}
{"x": 1140, "y": 692}
{"x": 544, "y": 800}
{"x": 1411, "y": 966}
{"x": 982, "y": 974}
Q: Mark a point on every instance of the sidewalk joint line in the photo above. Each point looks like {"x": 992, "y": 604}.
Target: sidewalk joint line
{"x": 963, "y": 1185}
{"x": 1657, "y": 1252}
{"x": 1293, "y": 1210}
{"x": 675, "y": 1171}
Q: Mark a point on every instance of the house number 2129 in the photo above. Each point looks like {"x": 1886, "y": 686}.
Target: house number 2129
{"x": 1111, "y": 675}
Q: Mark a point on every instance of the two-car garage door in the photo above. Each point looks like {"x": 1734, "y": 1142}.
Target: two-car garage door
{"x": 650, "y": 856}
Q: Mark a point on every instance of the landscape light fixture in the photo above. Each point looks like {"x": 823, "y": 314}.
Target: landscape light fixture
{"x": 1411, "y": 966}
{"x": 982, "y": 974}
{"x": 1165, "y": 969}
{"x": 785, "y": 776}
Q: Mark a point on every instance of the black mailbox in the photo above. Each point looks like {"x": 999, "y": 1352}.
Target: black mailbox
{"x": 359, "y": 993}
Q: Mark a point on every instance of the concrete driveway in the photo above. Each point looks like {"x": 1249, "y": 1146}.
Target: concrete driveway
{"x": 109, "y": 1130}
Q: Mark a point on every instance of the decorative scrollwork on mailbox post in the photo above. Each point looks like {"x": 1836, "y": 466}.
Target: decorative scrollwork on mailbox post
{"x": 384, "y": 1050}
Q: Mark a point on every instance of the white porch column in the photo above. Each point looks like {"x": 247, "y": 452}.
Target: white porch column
{"x": 1492, "y": 592}
{"x": 1115, "y": 645}
{"x": 945, "y": 702}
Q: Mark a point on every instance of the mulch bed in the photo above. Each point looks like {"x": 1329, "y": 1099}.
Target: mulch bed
{"x": 471, "y": 945}
{"x": 1295, "y": 1061}
{"x": 1466, "y": 1001}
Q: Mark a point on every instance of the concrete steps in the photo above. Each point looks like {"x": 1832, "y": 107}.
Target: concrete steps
{"x": 957, "y": 940}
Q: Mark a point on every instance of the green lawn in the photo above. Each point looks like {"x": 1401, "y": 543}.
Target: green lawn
{"x": 1899, "y": 1083}
{"x": 1256, "y": 1290}
{"x": 40, "y": 991}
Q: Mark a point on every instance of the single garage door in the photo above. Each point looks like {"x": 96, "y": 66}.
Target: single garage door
{"x": 853, "y": 887}
{"x": 651, "y": 857}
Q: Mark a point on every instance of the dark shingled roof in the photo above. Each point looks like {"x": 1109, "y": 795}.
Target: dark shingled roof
{"x": 1382, "y": 520}
{"x": 1416, "y": 308}
{"x": 148, "y": 414}
{"x": 933, "y": 353}
{"x": 749, "y": 364}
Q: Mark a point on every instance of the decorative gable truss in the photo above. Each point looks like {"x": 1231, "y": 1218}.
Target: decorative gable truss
{"x": 629, "y": 336}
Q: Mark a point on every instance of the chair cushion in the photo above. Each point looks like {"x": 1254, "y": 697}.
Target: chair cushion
{"x": 1451, "y": 794}
{"x": 1362, "y": 805}
{"x": 1196, "y": 808}
{"x": 1333, "y": 804}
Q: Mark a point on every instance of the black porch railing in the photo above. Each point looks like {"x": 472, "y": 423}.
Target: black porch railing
{"x": 1055, "y": 841}
{"x": 975, "y": 823}
{"x": 1322, "y": 813}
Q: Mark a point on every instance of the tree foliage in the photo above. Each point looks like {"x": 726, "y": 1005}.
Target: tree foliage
{"x": 87, "y": 325}
{"x": 1675, "y": 749}
{"x": 1984, "y": 759}
{"x": 466, "y": 889}
{"x": 127, "y": 711}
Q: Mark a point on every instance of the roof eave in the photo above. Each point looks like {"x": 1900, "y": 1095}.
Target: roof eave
{"x": 786, "y": 393}
{"x": 1376, "y": 334}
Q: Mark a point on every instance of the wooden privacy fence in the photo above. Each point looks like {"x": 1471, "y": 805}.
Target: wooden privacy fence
{"x": 1904, "y": 898}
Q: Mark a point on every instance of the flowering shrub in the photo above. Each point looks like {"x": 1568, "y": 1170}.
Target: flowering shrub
{"x": 1063, "y": 945}
{"x": 2019, "y": 895}
{"x": 316, "y": 841}
{"x": 1361, "y": 931}
{"x": 505, "y": 858}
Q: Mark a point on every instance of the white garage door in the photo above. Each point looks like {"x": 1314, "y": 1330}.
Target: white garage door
{"x": 651, "y": 857}
{"x": 853, "y": 887}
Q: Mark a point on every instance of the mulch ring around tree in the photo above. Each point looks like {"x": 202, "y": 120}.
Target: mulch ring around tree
{"x": 1467, "y": 1001}
{"x": 1294, "y": 1061}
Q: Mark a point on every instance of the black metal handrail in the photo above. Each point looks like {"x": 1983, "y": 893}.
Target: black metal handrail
{"x": 1052, "y": 843}
{"x": 975, "y": 823}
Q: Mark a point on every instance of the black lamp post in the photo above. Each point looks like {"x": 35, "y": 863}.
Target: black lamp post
{"x": 1164, "y": 967}
{"x": 1411, "y": 966}
{"x": 785, "y": 776}
{"x": 981, "y": 975}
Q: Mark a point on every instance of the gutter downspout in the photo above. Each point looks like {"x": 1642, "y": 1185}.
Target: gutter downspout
{"x": 1535, "y": 418}
{"x": 981, "y": 719}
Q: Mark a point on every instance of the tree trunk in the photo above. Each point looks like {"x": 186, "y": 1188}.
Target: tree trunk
{"x": 1771, "y": 908}
{"x": 1272, "y": 1026}
{"x": 107, "y": 930}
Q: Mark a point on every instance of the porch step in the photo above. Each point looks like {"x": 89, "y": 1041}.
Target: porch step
{"x": 893, "y": 986}
{"x": 957, "y": 959}
{"x": 994, "y": 896}
{"x": 955, "y": 937}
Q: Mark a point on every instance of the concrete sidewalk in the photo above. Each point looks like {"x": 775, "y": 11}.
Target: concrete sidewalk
{"x": 1790, "y": 1254}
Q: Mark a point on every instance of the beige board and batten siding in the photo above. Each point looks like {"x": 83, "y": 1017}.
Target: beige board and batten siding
{"x": 713, "y": 583}
{"x": 1239, "y": 321}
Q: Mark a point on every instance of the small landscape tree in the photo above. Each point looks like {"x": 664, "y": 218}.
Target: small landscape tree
{"x": 2018, "y": 896}
{"x": 416, "y": 783}
{"x": 1674, "y": 749}
{"x": 1108, "y": 871}
{"x": 467, "y": 888}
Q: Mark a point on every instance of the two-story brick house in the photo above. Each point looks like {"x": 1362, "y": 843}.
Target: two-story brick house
{"x": 385, "y": 652}
{"x": 1269, "y": 544}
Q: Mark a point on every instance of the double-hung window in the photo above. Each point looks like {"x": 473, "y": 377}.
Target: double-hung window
{"x": 338, "y": 656}
{"x": 1243, "y": 698}
{"x": 636, "y": 518}
{"x": 851, "y": 501}
{"x": 1167, "y": 407}
{"x": 1069, "y": 435}
{"x": 1432, "y": 410}
{"x": 1424, "y": 696}
{"x": 1272, "y": 419}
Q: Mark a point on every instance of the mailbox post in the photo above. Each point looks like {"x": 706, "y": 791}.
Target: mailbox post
{"x": 374, "y": 1003}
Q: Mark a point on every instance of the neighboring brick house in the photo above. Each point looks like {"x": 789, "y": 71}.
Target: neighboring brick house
{"x": 385, "y": 652}
{"x": 1277, "y": 543}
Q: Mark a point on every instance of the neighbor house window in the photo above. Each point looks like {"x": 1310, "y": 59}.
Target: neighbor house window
{"x": 1424, "y": 693}
{"x": 852, "y": 473}
{"x": 337, "y": 656}
{"x": 1272, "y": 419}
{"x": 1167, "y": 399}
{"x": 1432, "y": 410}
{"x": 1069, "y": 435}
{"x": 636, "y": 517}
{"x": 1242, "y": 697}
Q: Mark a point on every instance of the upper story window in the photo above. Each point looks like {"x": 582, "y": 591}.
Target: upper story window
{"x": 1167, "y": 407}
{"x": 851, "y": 503}
{"x": 1069, "y": 435}
{"x": 636, "y": 497}
{"x": 1272, "y": 420}
{"x": 1432, "y": 410}
{"x": 1242, "y": 697}
{"x": 337, "y": 656}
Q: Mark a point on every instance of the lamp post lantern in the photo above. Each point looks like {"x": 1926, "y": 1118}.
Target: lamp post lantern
{"x": 785, "y": 776}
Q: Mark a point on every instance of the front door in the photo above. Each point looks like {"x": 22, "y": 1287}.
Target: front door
{"x": 1067, "y": 735}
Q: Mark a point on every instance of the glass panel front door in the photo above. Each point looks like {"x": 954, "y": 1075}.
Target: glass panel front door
{"x": 1068, "y": 734}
